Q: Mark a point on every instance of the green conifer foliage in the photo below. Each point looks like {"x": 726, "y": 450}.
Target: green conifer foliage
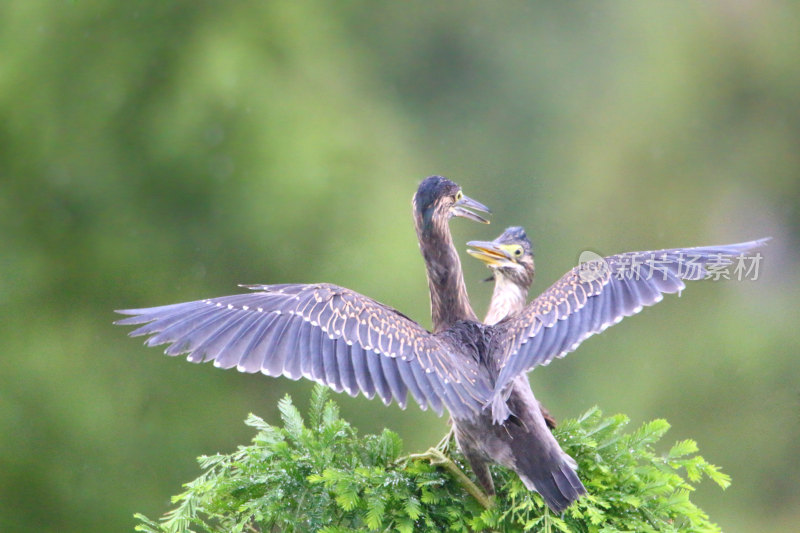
{"x": 318, "y": 474}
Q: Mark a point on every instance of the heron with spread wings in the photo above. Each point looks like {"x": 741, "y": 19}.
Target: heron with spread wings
{"x": 352, "y": 343}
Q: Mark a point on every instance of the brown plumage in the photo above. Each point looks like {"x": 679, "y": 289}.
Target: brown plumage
{"x": 350, "y": 342}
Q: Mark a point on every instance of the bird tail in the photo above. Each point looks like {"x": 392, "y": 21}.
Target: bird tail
{"x": 555, "y": 479}
{"x": 499, "y": 405}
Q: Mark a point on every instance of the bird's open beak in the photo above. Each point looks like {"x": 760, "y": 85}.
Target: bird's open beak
{"x": 491, "y": 253}
{"x": 461, "y": 209}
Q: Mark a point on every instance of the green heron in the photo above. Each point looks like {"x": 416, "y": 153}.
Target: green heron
{"x": 350, "y": 342}
{"x": 510, "y": 258}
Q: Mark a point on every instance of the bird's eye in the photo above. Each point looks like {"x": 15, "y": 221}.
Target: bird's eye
{"x": 459, "y": 196}
{"x": 518, "y": 251}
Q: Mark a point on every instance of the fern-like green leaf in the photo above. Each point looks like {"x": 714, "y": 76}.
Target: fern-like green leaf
{"x": 682, "y": 449}
{"x": 375, "y": 508}
{"x": 319, "y": 397}
{"x": 720, "y": 478}
{"x": 412, "y": 508}
{"x": 347, "y": 497}
{"x": 292, "y": 419}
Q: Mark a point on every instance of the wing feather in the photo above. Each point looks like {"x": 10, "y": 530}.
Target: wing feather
{"x": 293, "y": 369}
{"x": 359, "y": 358}
{"x": 407, "y": 376}
{"x": 211, "y": 347}
{"x": 177, "y": 328}
{"x": 283, "y": 347}
{"x": 426, "y": 385}
{"x": 347, "y": 373}
{"x": 198, "y": 339}
{"x": 332, "y": 366}
{"x": 270, "y": 350}
{"x": 310, "y": 353}
{"x": 393, "y": 377}
{"x": 378, "y": 378}
{"x": 252, "y": 355}
{"x": 319, "y": 344}
{"x": 328, "y": 363}
{"x": 230, "y": 354}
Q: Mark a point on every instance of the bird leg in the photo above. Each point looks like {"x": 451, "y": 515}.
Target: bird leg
{"x": 444, "y": 444}
{"x": 481, "y": 470}
{"x": 437, "y": 458}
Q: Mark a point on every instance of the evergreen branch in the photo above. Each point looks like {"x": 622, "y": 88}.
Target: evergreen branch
{"x": 324, "y": 477}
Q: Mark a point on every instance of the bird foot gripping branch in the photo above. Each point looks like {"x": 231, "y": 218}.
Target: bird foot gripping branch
{"x": 437, "y": 458}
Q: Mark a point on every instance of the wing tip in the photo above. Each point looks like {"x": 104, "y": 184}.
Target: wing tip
{"x": 253, "y": 287}
{"x": 133, "y": 319}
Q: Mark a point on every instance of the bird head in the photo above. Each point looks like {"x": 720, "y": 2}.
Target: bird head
{"x": 438, "y": 199}
{"x": 510, "y": 255}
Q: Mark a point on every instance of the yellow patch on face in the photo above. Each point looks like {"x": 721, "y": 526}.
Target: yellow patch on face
{"x": 514, "y": 250}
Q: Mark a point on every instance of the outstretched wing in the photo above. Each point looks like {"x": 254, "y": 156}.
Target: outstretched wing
{"x": 322, "y": 332}
{"x": 594, "y": 296}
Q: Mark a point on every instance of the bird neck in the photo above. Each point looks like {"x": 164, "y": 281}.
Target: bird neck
{"x": 449, "y": 299}
{"x": 508, "y": 298}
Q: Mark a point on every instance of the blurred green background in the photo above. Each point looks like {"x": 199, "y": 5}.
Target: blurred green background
{"x": 154, "y": 152}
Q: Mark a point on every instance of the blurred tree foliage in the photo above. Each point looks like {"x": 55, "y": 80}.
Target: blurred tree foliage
{"x": 153, "y": 152}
